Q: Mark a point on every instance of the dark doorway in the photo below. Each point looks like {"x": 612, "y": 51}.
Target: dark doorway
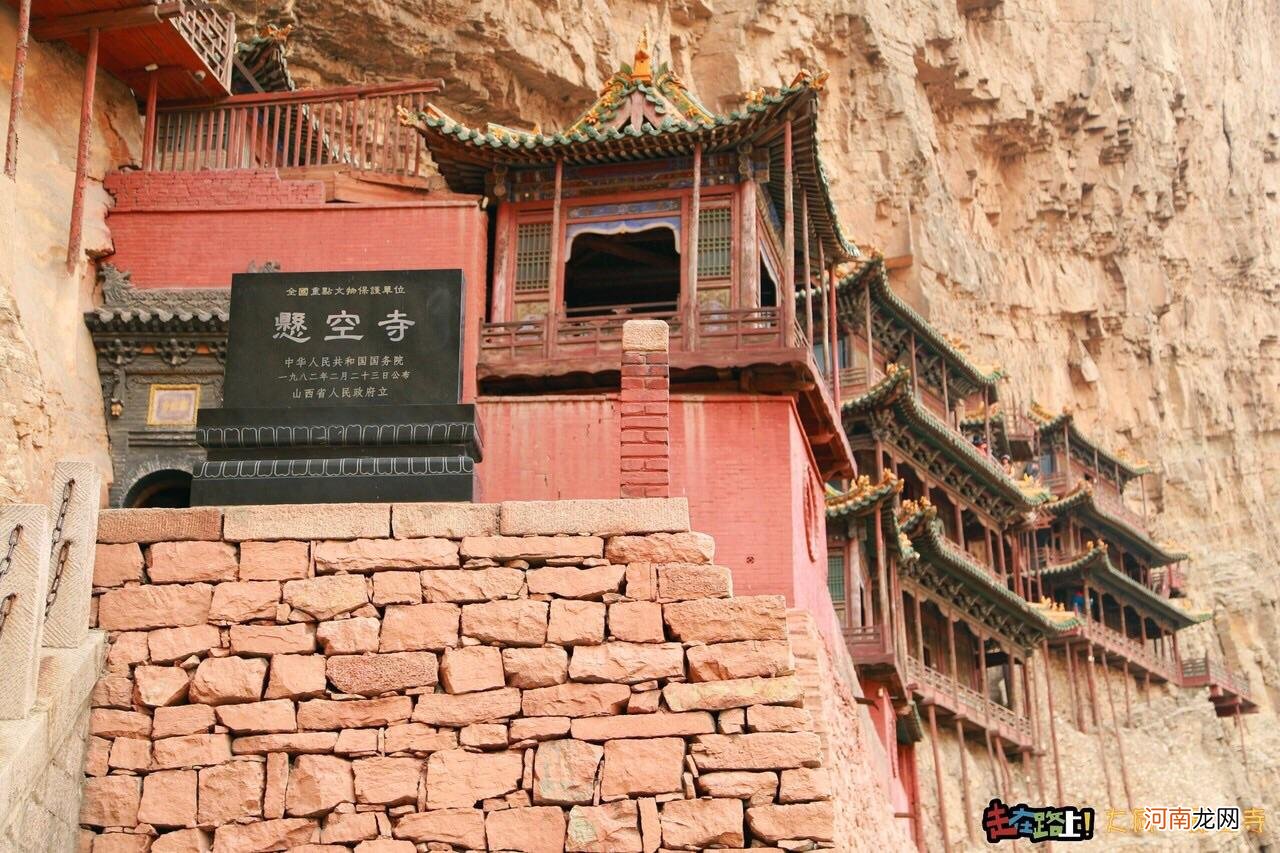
{"x": 622, "y": 273}
{"x": 768, "y": 287}
{"x": 168, "y": 489}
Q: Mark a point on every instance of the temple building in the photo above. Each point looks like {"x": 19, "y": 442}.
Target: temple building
{"x": 952, "y": 551}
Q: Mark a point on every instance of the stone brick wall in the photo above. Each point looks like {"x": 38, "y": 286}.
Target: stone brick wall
{"x": 537, "y": 677}
{"x": 184, "y": 190}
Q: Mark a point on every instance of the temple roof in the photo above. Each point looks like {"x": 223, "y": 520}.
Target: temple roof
{"x": 1082, "y": 502}
{"x": 862, "y": 497}
{"x": 261, "y": 59}
{"x": 894, "y": 394}
{"x": 1083, "y": 447}
{"x": 126, "y": 308}
{"x": 1097, "y": 567}
{"x": 645, "y": 113}
{"x": 1024, "y": 622}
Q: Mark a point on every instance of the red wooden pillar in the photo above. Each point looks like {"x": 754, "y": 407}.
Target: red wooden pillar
{"x": 964, "y": 781}
{"x": 1115, "y": 729}
{"x": 16, "y": 88}
{"x": 555, "y": 295}
{"x": 691, "y": 291}
{"x": 149, "y": 129}
{"x": 835, "y": 335}
{"x": 787, "y": 316}
{"x": 1053, "y": 726}
{"x": 82, "y": 149}
{"x": 808, "y": 273}
{"x": 1102, "y": 743}
{"x": 937, "y": 777}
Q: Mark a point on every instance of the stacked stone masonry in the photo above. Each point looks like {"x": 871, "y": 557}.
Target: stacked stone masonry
{"x": 571, "y": 676}
{"x": 645, "y": 410}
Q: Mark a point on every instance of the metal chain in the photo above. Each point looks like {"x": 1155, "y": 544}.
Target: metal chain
{"x": 6, "y": 604}
{"x": 61, "y": 547}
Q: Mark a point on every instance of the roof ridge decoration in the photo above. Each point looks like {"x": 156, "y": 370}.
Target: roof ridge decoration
{"x": 863, "y": 496}
{"x": 876, "y": 275}
{"x": 1081, "y": 496}
{"x": 1096, "y": 558}
{"x": 895, "y": 391}
{"x": 919, "y": 522}
{"x": 1046, "y": 421}
{"x": 120, "y": 295}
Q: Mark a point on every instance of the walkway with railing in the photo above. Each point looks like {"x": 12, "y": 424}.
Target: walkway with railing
{"x": 1134, "y": 651}
{"x": 212, "y": 35}
{"x": 725, "y": 330}
{"x": 1226, "y": 685}
{"x": 948, "y": 693}
{"x": 356, "y": 127}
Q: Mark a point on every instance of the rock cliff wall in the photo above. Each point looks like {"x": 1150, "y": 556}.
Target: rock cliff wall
{"x": 1085, "y": 191}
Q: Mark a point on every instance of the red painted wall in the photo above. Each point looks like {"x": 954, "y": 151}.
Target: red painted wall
{"x": 163, "y": 240}
{"x": 741, "y": 460}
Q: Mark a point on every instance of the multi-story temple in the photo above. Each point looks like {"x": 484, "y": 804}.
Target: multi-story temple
{"x": 966, "y": 547}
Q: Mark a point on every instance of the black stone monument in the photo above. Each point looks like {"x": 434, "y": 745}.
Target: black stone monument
{"x": 340, "y": 387}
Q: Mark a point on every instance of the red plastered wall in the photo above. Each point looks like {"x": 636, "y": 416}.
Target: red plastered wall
{"x": 741, "y": 460}
{"x": 198, "y": 229}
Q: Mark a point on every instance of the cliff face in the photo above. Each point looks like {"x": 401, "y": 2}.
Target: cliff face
{"x": 1085, "y": 192}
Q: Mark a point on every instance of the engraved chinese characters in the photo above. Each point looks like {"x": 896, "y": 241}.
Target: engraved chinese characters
{"x": 341, "y": 387}
{"x": 301, "y": 339}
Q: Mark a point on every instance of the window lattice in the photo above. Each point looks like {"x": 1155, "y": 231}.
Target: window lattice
{"x": 715, "y": 242}
{"x": 533, "y": 255}
{"x": 835, "y": 576}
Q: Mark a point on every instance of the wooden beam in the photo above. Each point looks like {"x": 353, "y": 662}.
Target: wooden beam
{"x": 67, "y": 26}
{"x": 691, "y": 278}
{"x": 788, "y": 296}
{"x": 17, "y": 87}
{"x": 82, "y": 150}
{"x": 937, "y": 777}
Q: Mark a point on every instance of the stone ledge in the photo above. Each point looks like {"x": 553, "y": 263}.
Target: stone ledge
{"x": 307, "y": 521}
{"x": 595, "y": 517}
{"x": 120, "y": 526}
{"x": 447, "y": 520}
{"x": 27, "y": 746}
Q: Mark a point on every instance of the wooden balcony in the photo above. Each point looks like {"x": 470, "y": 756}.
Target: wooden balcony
{"x": 970, "y": 706}
{"x": 1119, "y": 648}
{"x": 1228, "y": 688}
{"x": 583, "y": 352}
{"x": 310, "y": 130}
{"x": 189, "y": 44}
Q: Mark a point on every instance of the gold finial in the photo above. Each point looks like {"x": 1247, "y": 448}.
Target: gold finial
{"x": 641, "y": 69}
{"x": 276, "y": 34}
{"x": 814, "y": 80}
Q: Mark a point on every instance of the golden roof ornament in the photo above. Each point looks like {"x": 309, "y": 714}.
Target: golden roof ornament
{"x": 275, "y": 33}
{"x": 641, "y": 67}
{"x": 815, "y": 80}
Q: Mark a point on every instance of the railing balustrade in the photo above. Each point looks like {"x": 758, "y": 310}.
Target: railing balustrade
{"x": 950, "y": 692}
{"x": 355, "y": 127}
{"x": 212, "y": 35}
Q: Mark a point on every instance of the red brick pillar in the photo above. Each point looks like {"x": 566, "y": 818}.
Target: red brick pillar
{"x": 645, "y": 410}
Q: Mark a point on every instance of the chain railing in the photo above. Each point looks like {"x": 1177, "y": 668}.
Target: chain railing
{"x": 61, "y": 547}
{"x": 6, "y": 563}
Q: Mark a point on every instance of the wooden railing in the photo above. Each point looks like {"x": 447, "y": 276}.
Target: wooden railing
{"x": 743, "y": 328}
{"x": 1168, "y": 580}
{"x": 740, "y": 328}
{"x": 593, "y": 335}
{"x": 1210, "y": 671}
{"x": 1116, "y": 643}
{"x": 865, "y": 643}
{"x": 352, "y": 126}
{"x": 961, "y": 698}
{"x": 213, "y": 36}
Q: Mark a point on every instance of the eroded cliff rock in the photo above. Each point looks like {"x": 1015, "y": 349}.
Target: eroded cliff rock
{"x": 1085, "y": 191}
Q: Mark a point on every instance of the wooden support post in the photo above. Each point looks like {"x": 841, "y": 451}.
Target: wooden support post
{"x": 871, "y": 341}
{"x": 964, "y": 781}
{"x": 835, "y": 336}
{"x": 1115, "y": 729}
{"x": 1102, "y": 741}
{"x": 946, "y": 394}
{"x": 888, "y": 629}
{"x": 554, "y": 296}
{"x": 1128, "y": 709}
{"x": 1053, "y": 725}
{"x": 787, "y": 316}
{"x": 149, "y": 129}
{"x": 1071, "y": 682}
{"x": 808, "y": 272}
{"x": 690, "y": 335}
{"x": 986, "y": 418}
{"x": 915, "y": 598}
{"x": 82, "y": 150}
{"x": 1142, "y": 482}
{"x": 24, "y": 541}
{"x": 937, "y": 778}
{"x": 826, "y": 316}
{"x": 915, "y": 374}
{"x": 17, "y": 87}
